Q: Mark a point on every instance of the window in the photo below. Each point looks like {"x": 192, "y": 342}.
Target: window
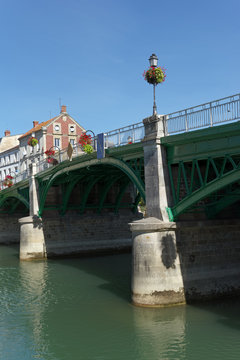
{"x": 57, "y": 142}
{"x": 72, "y": 142}
{"x": 72, "y": 128}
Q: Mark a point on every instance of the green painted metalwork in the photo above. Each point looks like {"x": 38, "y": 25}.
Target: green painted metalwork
{"x": 219, "y": 182}
{"x": 90, "y": 184}
{"x": 67, "y": 192}
{"x": 170, "y": 214}
{"x": 84, "y": 169}
{"x": 201, "y": 166}
{"x": 228, "y": 199}
{"x": 108, "y": 186}
{"x": 120, "y": 194}
{"x": 16, "y": 199}
{"x": 201, "y": 144}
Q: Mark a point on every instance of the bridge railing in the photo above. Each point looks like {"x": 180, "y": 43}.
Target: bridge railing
{"x": 15, "y": 178}
{"x": 58, "y": 157}
{"x": 204, "y": 115}
{"x": 126, "y": 135}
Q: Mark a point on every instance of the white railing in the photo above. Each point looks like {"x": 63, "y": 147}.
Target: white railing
{"x": 58, "y": 157}
{"x": 42, "y": 165}
{"x": 204, "y": 115}
{"x": 126, "y": 135}
{"x": 16, "y": 177}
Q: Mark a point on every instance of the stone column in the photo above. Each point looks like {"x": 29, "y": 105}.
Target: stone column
{"x": 156, "y": 272}
{"x": 32, "y": 241}
{"x": 157, "y": 184}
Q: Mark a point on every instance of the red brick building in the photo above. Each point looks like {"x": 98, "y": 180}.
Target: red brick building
{"x": 57, "y": 132}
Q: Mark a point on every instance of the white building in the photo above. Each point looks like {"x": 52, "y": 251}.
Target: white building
{"x": 9, "y": 155}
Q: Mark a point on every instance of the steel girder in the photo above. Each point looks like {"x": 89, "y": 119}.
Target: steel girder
{"x": 10, "y": 200}
{"x": 207, "y": 181}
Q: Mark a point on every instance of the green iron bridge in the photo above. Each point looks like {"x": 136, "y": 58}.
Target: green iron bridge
{"x": 203, "y": 157}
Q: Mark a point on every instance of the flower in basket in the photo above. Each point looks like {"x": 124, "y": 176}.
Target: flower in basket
{"x": 85, "y": 139}
{"x": 155, "y": 75}
{"x": 88, "y": 149}
{"x": 32, "y": 141}
{"x": 51, "y": 160}
{"x": 8, "y": 181}
{"x": 50, "y": 152}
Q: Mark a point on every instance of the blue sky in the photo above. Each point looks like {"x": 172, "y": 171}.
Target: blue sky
{"x": 92, "y": 55}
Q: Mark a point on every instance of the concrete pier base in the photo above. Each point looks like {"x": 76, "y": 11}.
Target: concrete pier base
{"x": 32, "y": 242}
{"x": 156, "y": 273}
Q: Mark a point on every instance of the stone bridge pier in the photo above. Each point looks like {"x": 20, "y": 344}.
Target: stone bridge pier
{"x": 156, "y": 274}
{"x": 182, "y": 261}
{"x": 32, "y": 240}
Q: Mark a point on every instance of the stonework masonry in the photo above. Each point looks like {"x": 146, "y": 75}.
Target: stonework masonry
{"x": 209, "y": 253}
{"x": 73, "y": 234}
{"x": 9, "y": 229}
{"x": 185, "y": 261}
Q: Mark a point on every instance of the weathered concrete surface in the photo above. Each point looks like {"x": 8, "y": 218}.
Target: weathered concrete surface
{"x": 156, "y": 271}
{"x": 193, "y": 260}
{"x": 158, "y": 194}
{"x": 32, "y": 242}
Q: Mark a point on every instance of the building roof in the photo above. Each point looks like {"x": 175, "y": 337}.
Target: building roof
{"x": 9, "y": 142}
{"x": 38, "y": 127}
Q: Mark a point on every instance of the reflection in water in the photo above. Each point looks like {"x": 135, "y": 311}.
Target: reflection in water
{"x": 33, "y": 277}
{"x": 79, "y": 309}
{"x": 160, "y": 332}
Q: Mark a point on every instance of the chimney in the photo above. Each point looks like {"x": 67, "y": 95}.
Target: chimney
{"x": 64, "y": 109}
{"x": 35, "y": 123}
{"x": 7, "y": 133}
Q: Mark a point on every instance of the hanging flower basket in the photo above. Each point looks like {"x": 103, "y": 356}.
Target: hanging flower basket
{"x": 50, "y": 152}
{"x": 88, "y": 149}
{"x": 85, "y": 139}
{"x": 32, "y": 141}
{"x": 51, "y": 160}
{"x": 8, "y": 181}
{"x": 155, "y": 75}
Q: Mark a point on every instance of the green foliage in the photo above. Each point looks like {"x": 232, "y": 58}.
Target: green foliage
{"x": 88, "y": 149}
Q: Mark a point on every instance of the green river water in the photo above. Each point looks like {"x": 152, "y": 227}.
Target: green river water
{"x": 81, "y": 309}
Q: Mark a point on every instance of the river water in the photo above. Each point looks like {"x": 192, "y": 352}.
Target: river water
{"x": 67, "y": 309}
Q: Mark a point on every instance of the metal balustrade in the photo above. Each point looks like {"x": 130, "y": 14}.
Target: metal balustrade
{"x": 205, "y": 115}
{"x": 126, "y": 135}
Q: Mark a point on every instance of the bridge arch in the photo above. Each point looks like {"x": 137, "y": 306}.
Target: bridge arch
{"x": 98, "y": 168}
{"x": 16, "y": 197}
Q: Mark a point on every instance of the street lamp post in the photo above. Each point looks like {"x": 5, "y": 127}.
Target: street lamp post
{"x": 153, "y": 60}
